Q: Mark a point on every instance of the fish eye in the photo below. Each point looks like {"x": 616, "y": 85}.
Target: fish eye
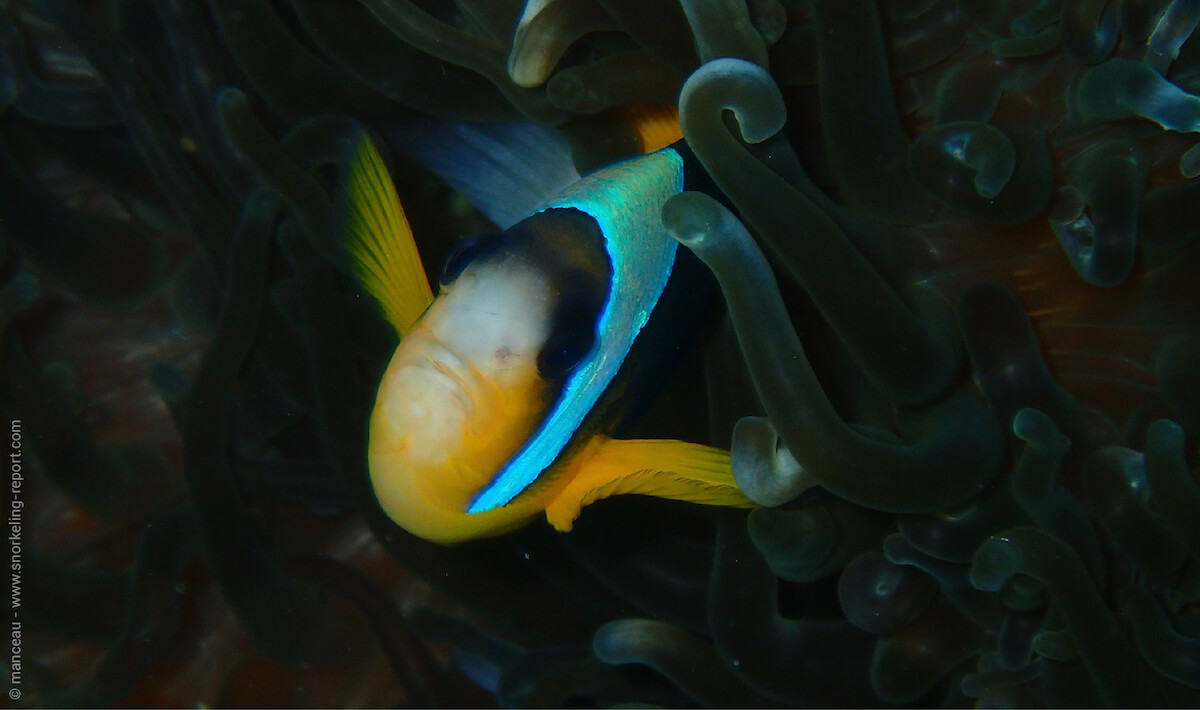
{"x": 462, "y": 255}
{"x": 566, "y": 347}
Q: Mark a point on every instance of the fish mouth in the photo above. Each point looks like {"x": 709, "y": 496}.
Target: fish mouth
{"x": 434, "y": 358}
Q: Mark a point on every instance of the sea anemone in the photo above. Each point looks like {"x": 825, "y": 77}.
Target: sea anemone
{"x": 956, "y": 357}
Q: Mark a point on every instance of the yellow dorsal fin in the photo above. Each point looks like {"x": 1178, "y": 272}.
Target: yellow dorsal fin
{"x": 656, "y": 124}
{"x": 380, "y": 242}
{"x": 664, "y": 468}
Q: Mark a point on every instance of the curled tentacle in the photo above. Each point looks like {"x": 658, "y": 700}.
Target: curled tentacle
{"x": 881, "y": 597}
{"x": 1096, "y": 219}
{"x": 919, "y": 362}
{"x": 762, "y": 646}
{"x": 765, "y": 471}
{"x": 950, "y": 463}
{"x": 978, "y": 169}
{"x": 1102, "y": 646}
{"x": 953, "y": 534}
{"x": 982, "y": 149}
{"x": 981, "y": 609}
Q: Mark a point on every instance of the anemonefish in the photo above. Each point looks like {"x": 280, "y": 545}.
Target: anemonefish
{"x": 487, "y": 414}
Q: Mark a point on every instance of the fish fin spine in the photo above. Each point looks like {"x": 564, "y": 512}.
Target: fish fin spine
{"x": 380, "y": 242}
{"x": 664, "y": 468}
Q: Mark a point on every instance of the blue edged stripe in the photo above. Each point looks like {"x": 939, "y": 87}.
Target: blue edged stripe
{"x": 626, "y": 200}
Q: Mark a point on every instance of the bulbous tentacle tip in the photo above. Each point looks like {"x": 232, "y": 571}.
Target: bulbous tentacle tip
{"x": 564, "y": 89}
{"x": 742, "y": 86}
{"x": 1037, "y": 429}
{"x": 546, "y": 30}
{"x": 763, "y": 467}
{"x": 996, "y": 561}
{"x": 699, "y": 222}
{"x": 1164, "y": 436}
{"x": 612, "y": 642}
{"x": 1056, "y": 644}
{"x": 969, "y": 147}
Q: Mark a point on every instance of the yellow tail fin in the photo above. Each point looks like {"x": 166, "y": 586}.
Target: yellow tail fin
{"x": 380, "y": 242}
{"x": 664, "y": 468}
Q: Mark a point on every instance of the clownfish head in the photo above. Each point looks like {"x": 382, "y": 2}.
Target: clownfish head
{"x": 476, "y": 375}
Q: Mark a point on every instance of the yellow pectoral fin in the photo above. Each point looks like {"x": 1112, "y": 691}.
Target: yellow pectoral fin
{"x": 654, "y": 467}
{"x": 380, "y": 242}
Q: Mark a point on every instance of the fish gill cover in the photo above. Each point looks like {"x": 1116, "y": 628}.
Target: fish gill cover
{"x": 958, "y": 358}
